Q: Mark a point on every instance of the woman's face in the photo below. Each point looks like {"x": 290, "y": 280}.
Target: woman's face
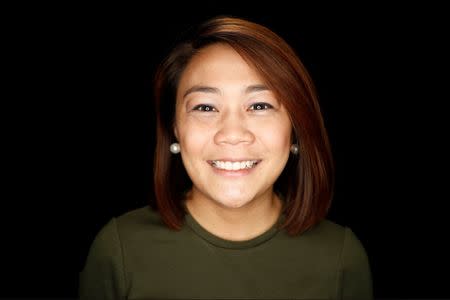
{"x": 234, "y": 133}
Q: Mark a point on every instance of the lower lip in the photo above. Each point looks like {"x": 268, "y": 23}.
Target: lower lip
{"x": 231, "y": 173}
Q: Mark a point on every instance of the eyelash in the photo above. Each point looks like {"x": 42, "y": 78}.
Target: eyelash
{"x": 203, "y": 107}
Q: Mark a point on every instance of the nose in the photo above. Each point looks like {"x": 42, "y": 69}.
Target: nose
{"x": 233, "y": 129}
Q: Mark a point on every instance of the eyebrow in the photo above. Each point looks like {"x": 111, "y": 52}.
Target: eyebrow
{"x": 213, "y": 90}
{"x": 202, "y": 89}
{"x": 256, "y": 88}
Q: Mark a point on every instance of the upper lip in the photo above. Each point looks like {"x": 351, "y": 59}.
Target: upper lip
{"x": 234, "y": 159}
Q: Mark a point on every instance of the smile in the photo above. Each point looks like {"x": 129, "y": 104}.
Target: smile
{"x": 234, "y": 165}
{"x": 234, "y": 168}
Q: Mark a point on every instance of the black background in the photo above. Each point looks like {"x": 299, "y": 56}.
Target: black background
{"x": 78, "y": 130}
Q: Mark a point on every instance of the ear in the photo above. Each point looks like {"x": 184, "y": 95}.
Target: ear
{"x": 293, "y": 136}
{"x": 175, "y": 131}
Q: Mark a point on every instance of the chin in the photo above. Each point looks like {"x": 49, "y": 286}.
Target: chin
{"x": 232, "y": 202}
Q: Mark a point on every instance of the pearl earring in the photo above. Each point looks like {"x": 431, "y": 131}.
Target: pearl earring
{"x": 294, "y": 149}
{"x": 175, "y": 148}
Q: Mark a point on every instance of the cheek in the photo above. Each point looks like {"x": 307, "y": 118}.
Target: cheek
{"x": 194, "y": 139}
{"x": 276, "y": 135}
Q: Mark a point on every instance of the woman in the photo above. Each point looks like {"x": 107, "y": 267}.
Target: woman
{"x": 243, "y": 181}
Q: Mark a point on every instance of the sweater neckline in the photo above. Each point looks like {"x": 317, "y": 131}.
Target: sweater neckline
{"x": 229, "y": 244}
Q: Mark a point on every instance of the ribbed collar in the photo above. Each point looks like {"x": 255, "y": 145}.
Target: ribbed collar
{"x": 223, "y": 243}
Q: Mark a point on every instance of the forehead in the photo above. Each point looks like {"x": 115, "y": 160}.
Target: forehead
{"x": 218, "y": 64}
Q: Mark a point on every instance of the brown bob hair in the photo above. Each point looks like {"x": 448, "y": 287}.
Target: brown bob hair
{"x": 307, "y": 181}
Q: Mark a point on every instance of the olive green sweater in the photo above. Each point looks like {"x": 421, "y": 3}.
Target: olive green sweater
{"x": 135, "y": 256}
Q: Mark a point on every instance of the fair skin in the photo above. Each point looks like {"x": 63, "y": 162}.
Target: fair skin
{"x": 235, "y": 137}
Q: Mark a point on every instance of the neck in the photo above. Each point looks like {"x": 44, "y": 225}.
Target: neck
{"x": 237, "y": 224}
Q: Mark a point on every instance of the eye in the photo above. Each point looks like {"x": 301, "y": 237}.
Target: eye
{"x": 260, "y": 106}
{"x": 204, "y": 107}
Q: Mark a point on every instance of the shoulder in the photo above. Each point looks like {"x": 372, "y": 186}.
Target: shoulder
{"x": 108, "y": 255}
{"x": 327, "y": 233}
{"x": 143, "y": 221}
{"x": 330, "y": 239}
{"x": 137, "y": 230}
{"x": 143, "y": 229}
{"x": 130, "y": 226}
{"x": 351, "y": 255}
{"x": 341, "y": 236}
{"x": 327, "y": 230}
{"x": 143, "y": 216}
{"x": 348, "y": 254}
{"x": 111, "y": 232}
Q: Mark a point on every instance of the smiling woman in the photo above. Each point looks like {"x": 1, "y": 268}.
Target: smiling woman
{"x": 243, "y": 193}
{"x": 226, "y": 117}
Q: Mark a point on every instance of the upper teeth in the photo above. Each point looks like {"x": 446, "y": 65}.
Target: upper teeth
{"x": 236, "y": 165}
